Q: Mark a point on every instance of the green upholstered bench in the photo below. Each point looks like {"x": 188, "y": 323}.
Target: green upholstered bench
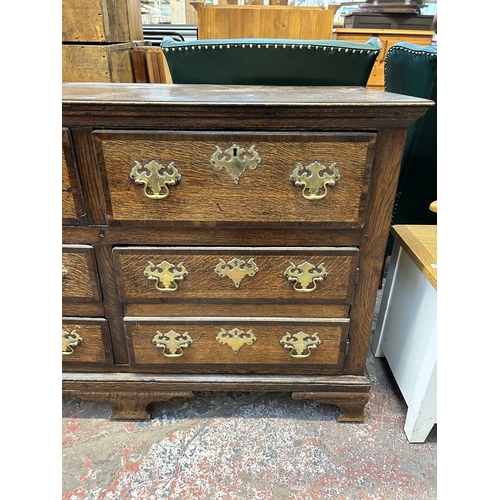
{"x": 269, "y": 61}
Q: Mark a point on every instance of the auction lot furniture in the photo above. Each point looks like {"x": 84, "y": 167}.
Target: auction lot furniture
{"x": 98, "y": 40}
{"x": 388, "y": 38}
{"x": 261, "y": 21}
{"x": 220, "y": 238}
{"x": 406, "y": 331}
{"x": 271, "y": 61}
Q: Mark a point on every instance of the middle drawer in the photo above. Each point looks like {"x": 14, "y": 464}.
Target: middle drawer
{"x": 250, "y": 281}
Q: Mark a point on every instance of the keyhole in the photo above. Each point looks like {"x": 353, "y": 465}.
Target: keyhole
{"x": 235, "y": 152}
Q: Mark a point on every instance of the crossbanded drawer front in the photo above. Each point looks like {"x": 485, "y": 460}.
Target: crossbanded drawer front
{"x": 79, "y": 274}
{"x": 85, "y": 341}
{"x": 234, "y": 178}
{"x": 237, "y": 345}
{"x": 236, "y": 274}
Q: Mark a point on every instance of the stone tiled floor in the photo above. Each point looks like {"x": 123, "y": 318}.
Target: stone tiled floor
{"x": 254, "y": 446}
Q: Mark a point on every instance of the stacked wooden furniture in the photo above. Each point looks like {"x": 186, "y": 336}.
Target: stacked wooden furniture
{"x": 225, "y": 238}
{"x": 388, "y": 38}
{"x": 98, "y": 40}
{"x": 264, "y": 21}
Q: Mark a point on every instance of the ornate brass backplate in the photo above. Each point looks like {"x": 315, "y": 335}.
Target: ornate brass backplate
{"x": 305, "y": 275}
{"x": 166, "y": 274}
{"x": 64, "y": 271}
{"x": 312, "y": 181}
{"x": 70, "y": 341}
{"x": 155, "y": 178}
{"x": 300, "y": 343}
{"x": 172, "y": 343}
{"x": 235, "y": 338}
{"x": 234, "y": 161}
{"x": 236, "y": 269}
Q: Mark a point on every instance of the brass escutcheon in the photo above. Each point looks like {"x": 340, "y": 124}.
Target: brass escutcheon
{"x": 300, "y": 343}
{"x": 64, "y": 271}
{"x": 234, "y": 161}
{"x": 172, "y": 343}
{"x": 70, "y": 341}
{"x": 155, "y": 178}
{"x": 236, "y": 269}
{"x": 304, "y": 275}
{"x": 167, "y": 274}
{"x": 235, "y": 338}
{"x": 311, "y": 181}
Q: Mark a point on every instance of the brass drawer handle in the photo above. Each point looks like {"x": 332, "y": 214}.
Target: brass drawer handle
{"x": 70, "y": 341}
{"x": 155, "y": 178}
{"x": 235, "y": 338}
{"x": 234, "y": 161}
{"x": 236, "y": 269}
{"x": 312, "y": 181}
{"x": 300, "y": 344}
{"x": 172, "y": 343}
{"x": 304, "y": 275}
{"x": 167, "y": 274}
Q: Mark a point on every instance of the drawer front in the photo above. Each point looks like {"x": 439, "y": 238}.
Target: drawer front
{"x": 85, "y": 341}
{"x": 72, "y": 202}
{"x": 237, "y": 345}
{"x": 79, "y": 274}
{"x": 234, "y": 178}
{"x": 236, "y": 274}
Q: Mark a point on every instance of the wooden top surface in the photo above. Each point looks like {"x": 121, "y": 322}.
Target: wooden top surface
{"x": 420, "y": 242}
{"x": 363, "y": 31}
{"x": 182, "y": 94}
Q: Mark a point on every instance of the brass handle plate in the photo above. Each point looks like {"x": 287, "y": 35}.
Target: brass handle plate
{"x": 234, "y": 161}
{"x": 300, "y": 343}
{"x": 165, "y": 274}
{"x": 235, "y": 338}
{"x": 313, "y": 180}
{"x": 236, "y": 269}
{"x": 70, "y": 340}
{"x": 155, "y": 178}
{"x": 305, "y": 275}
{"x": 172, "y": 343}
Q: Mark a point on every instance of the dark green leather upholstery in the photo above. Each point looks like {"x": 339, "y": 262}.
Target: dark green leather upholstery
{"x": 269, "y": 61}
{"x": 412, "y": 70}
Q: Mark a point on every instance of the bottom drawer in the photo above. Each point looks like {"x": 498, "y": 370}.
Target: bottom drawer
{"x": 237, "y": 345}
{"x": 85, "y": 341}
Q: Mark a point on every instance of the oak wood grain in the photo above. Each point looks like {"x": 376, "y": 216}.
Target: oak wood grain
{"x": 388, "y": 154}
{"x": 420, "y": 243}
{"x": 73, "y": 211}
{"x": 94, "y": 349}
{"x": 267, "y": 284}
{"x": 112, "y": 125}
{"x": 80, "y": 281}
{"x": 264, "y": 195}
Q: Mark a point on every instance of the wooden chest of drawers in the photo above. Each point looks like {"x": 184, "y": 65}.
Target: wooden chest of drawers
{"x": 225, "y": 238}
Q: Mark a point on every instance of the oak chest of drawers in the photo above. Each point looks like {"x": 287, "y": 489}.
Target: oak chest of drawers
{"x": 225, "y": 238}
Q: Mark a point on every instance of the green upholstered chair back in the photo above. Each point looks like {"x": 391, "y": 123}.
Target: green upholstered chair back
{"x": 269, "y": 61}
{"x": 412, "y": 70}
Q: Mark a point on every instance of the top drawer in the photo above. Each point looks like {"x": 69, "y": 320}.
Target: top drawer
{"x": 234, "y": 178}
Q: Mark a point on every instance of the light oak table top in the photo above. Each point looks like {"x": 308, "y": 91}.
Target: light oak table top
{"x": 420, "y": 242}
